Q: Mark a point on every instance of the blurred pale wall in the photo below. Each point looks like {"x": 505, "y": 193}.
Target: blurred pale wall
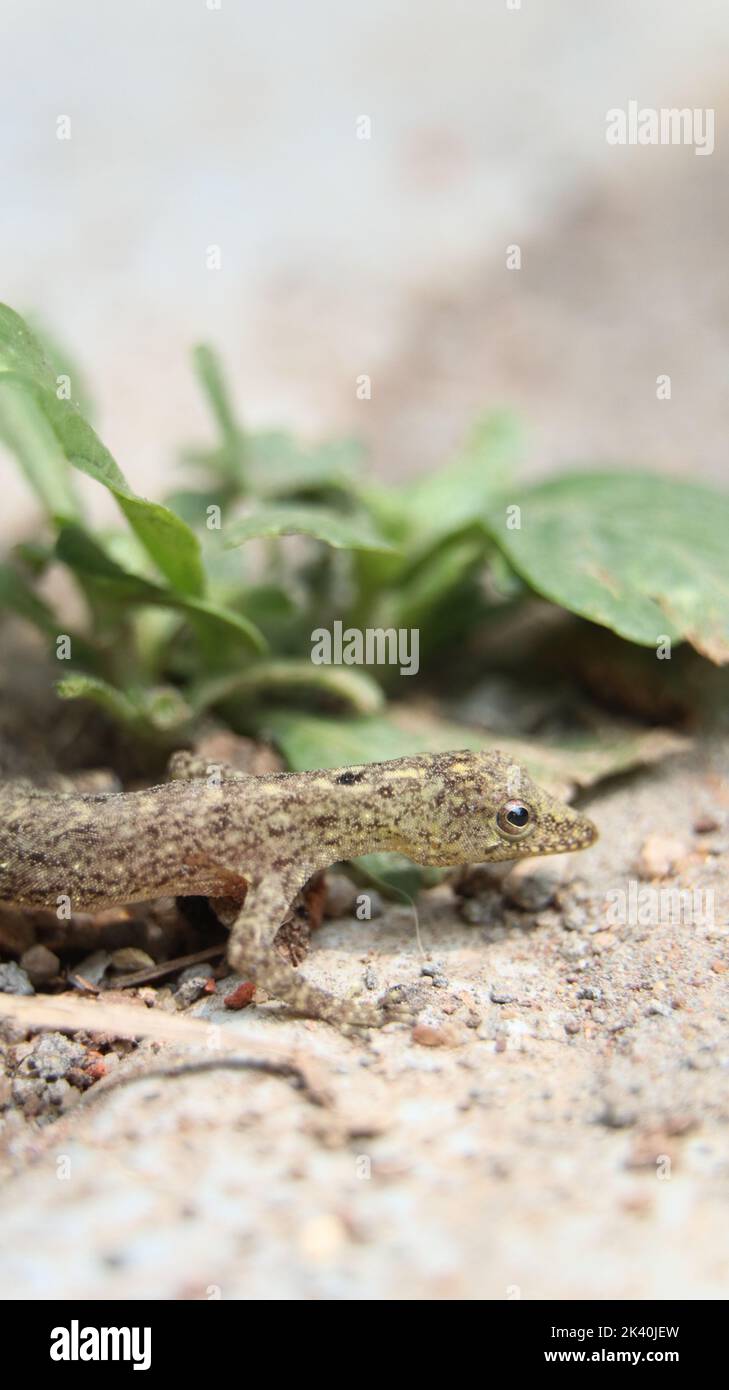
{"x": 237, "y": 127}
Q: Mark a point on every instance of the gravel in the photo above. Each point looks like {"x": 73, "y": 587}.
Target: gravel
{"x": 14, "y": 980}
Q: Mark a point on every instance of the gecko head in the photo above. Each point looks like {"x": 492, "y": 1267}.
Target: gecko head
{"x": 487, "y": 808}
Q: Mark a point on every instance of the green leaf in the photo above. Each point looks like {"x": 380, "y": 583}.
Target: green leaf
{"x": 418, "y": 598}
{"x": 645, "y": 556}
{"x": 192, "y": 504}
{"x": 156, "y": 713}
{"x": 228, "y": 461}
{"x": 283, "y": 467}
{"x": 34, "y": 556}
{"x": 114, "y": 702}
{"x": 25, "y": 430}
{"x": 341, "y": 532}
{"x": 17, "y": 595}
{"x": 293, "y": 679}
{"x": 454, "y": 496}
{"x": 40, "y": 425}
{"x": 20, "y": 350}
{"x": 210, "y": 373}
{"x": 435, "y": 524}
{"x": 310, "y": 741}
{"x": 397, "y": 876}
{"x": 63, "y": 363}
{"x": 171, "y": 544}
{"x": 76, "y": 548}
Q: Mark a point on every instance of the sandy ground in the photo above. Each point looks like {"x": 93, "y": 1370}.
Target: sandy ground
{"x": 568, "y": 1141}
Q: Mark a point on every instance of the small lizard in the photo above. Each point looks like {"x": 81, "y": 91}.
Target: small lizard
{"x": 258, "y": 840}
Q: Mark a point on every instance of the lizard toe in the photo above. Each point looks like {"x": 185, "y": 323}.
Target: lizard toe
{"x": 395, "y": 1007}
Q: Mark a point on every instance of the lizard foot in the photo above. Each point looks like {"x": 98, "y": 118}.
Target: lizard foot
{"x": 393, "y": 1004}
{"x": 390, "y": 1008}
{"x": 267, "y": 968}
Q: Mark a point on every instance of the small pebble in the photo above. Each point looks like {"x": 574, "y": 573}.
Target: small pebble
{"x": 617, "y": 1115}
{"x": 428, "y": 1035}
{"x": 192, "y": 983}
{"x": 131, "y": 958}
{"x": 41, "y": 964}
{"x": 658, "y": 855}
{"x": 572, "y": 949}
{"x": 500, "y": 995}
{"x": 196, "y": 972}
{"x": 341, "y": 896}
{"x": 705, "y": 825}
{"x": 482, "y": 910}
{"x": 94, "y": 967}
{"x": 549, "y": 920}
{"x": 52, "y": 1057}
{"x": 39, "y": 1098}
{"x": 241, "y": 997}
{"x": 656, "y": 1007}
{"x": 531, "y": 888}
{"x": 13, "y": 980}
{"x": 575, "y": 919}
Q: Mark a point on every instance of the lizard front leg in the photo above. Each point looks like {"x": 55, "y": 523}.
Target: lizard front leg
{"x": 251, "y": 953}
{"x": 268, "y": 902}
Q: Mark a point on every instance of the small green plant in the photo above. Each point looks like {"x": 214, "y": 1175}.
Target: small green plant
{"x": 201, "y": 603}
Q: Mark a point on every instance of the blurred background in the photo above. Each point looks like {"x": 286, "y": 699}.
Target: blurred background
{"x": 237, "y": 127}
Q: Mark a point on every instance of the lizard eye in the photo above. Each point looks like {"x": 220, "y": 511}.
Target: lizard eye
{"x": 514, "y": 819}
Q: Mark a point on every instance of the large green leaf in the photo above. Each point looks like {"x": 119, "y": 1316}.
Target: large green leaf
{"x": 645, "y": 556}
{"x": 341, "y": 532}
{"x": 39, "y": 425}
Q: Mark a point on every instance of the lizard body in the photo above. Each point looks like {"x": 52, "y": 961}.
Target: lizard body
{"x": 258, "y": 840}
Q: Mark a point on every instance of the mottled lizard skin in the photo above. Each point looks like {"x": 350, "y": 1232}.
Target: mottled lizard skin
{"x": 230, "y": 835}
